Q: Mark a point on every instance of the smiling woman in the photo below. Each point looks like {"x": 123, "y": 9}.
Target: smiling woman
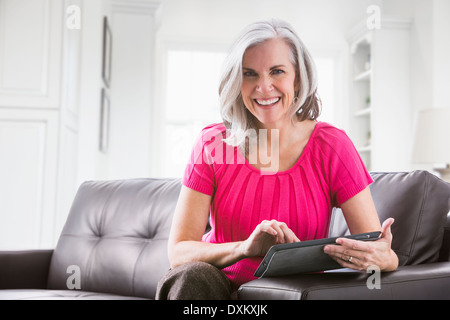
{"x": 270, "y": 85}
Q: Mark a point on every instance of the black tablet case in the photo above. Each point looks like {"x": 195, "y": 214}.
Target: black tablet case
{"x": 304, "y": 256}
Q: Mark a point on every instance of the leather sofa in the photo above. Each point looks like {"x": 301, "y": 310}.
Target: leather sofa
{"x": 114, "y": 246}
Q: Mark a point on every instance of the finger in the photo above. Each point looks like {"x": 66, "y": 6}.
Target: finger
{"x": 345, "y": 257}
{"x": 280, "y": 233}
{"x": 337, "y": 256}
{"x": 353, "y": 244}
{"x": 266, "y": 227}
{"x": 273, "y": 228}
{"x": 386, "y": 229}
{"x": 350, "y": 262}
{"x": 286, "y": 234}
{"x": 341, "y": 252}
{"x": 289, "y": 235}
{"x": 350, "y": 254}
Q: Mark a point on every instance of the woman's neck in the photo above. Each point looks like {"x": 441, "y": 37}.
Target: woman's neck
{"x": 286, "y": 132}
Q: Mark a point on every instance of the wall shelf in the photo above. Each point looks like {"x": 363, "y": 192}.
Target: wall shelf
{"x": 364, "y": 112}
{"x": 364, "y": 76}
{"x": 366, "y": 149}
{"x": 380, "y": 93}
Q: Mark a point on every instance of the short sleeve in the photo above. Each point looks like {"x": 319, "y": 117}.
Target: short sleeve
{"x": 199, "y": 173}
{"x": 348, "y": 174}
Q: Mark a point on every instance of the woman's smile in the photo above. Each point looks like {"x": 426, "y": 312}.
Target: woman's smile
{"x": 267, "y": 103}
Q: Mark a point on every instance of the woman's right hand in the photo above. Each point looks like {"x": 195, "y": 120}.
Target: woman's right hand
{"x": 265, "y": 235}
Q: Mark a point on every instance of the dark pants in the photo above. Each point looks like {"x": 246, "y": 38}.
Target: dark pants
{"x": 194, "y": 281}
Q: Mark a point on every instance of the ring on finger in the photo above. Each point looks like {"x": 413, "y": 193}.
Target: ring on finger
{"x": 350, "y": 259}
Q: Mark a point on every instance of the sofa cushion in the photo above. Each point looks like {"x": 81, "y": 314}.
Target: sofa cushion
{"x": 43, "y": 294}
{"x": 115, "y": 237}
{"x": 419, "y": 203}
{"x": 418, "y": 282}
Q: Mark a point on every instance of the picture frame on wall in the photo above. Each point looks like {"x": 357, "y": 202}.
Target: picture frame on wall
{"x": 104, "y": 122}
{"x": 107, "y": 52}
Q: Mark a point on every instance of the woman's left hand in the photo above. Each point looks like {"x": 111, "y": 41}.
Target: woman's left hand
{"x": 360, "y": 255}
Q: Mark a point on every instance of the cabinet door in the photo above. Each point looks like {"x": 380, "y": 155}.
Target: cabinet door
{"x": 28, "y": 153}
{"x": 30, "y": 53}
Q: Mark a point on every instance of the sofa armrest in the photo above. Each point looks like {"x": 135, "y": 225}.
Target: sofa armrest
{"x": 425, "y": 281}
{"x": 444, "y": 253}
{"x": 24, "y": 269}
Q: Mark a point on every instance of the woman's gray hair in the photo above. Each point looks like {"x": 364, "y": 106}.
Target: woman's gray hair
{"x": 237, "y": 119}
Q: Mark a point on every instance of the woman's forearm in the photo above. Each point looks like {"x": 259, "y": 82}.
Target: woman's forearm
{"x": 220, "y": 255}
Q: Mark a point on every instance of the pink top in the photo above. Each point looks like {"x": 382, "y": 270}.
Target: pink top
{"x": 328, "y": 173}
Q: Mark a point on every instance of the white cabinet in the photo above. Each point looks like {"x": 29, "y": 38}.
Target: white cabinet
{"x": 361, "y": 95}
{"x": 30, "y": 39}
{"x": 380, "y": 107}
{"x": 28, "y": 158}
{"x": 39, "y": 76}
{"x": 50, "y": 85}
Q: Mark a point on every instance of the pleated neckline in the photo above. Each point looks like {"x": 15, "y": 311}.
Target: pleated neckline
{"x": 296, "y": 164}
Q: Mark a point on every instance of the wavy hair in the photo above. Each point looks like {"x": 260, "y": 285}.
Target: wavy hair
{"x": 306, "y": 105}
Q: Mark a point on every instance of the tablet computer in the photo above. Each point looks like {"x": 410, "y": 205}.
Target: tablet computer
{"x": 305, "y": 256}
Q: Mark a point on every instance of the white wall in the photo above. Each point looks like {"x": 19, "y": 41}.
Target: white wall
{"x": 132, "y": 24}
{"x": 430, "y": 52}
{"x": 90, "y": 160}
{"x": 319, "y": 22}
{"x": 441, "y": 53}
{"x": 430, "y": 62}
{"x": 131, "y": 91}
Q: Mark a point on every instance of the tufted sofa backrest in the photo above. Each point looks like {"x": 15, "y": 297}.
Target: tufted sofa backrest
{"x": 115, "y": 237}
